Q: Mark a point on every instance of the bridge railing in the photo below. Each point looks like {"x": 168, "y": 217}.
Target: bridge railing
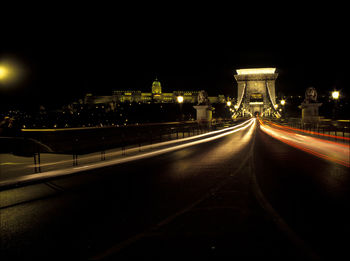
{"x": 329, "y": 129}
{"x": 93, "y": 141}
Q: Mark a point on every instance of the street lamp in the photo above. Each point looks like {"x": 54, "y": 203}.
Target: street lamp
{"x": 180, "y": 99}
{"x": 10, "y": 72}
{"x": 4, "y": 72}
{"x": 335, "y": 95}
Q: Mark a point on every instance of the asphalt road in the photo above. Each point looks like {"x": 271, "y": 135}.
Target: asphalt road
{"x": 311, "y": 194}
{"x": 199, "y": 201}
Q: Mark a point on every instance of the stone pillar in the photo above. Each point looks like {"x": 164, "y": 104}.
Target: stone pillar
{"x": 204, "y": 114}
{"x": 309, "y": 113}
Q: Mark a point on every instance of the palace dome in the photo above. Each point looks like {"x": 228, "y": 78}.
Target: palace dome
{"x": 156, "y": 87}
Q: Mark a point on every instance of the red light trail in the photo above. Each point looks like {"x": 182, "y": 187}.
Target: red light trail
{"x": 325, "y": 149}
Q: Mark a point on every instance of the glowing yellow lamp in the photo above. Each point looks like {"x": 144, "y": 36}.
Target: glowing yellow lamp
{"x": 3, "y": 72}
{"x": 180, "y": 99}
{"x": 335, "y": 95}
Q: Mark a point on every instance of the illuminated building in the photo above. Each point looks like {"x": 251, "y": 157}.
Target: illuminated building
{"x": 256, "y": 91}
{"x": 156, "y": 87}
{"x": 156, "y": 96}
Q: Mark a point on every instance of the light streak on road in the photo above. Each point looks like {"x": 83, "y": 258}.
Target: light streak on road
{"x": 310, "y": 132}
{"x": 63, "y": 172}
{"x": 332, "y": 151}
{"x": 10, "y": 163}
{"x": 145, "y": 147}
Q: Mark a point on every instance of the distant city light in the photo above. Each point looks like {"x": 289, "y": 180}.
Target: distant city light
{"x": 335, "y": 95}
{"x": 236, "y": 107}
{"x": 276, "y": 106}
{"x": 228, "y": 103}
{"x": 256, "y": 71}
{"x": 283, "y": 102}
{"x": 180, "y": 99}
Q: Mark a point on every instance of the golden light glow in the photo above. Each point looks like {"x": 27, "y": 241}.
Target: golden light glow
{"x": 283, "y": 102}
{"x": 3, "y": 72}
{"x": 276, "y": 106}
{"x": 228, "y": 103}
{"x": 256, "y": 71}
{"x": 11, "y": 71}
{"x": 236, "y": 107}
{"x": 335, "y": 95}
{"x": 180, "y": 99}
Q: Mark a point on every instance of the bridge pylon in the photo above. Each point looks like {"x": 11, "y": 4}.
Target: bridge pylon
{"x": 256, "y": 92}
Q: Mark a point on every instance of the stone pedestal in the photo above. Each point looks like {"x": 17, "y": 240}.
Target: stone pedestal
{"x": 204, "y": 114}
{"x": 309, "y": 112}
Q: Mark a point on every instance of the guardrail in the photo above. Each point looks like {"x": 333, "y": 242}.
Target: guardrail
{"x": 327, "y": 128}
{"x": 80, "y": 141}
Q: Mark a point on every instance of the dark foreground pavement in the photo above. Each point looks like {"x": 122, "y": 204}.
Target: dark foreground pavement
{"x": 227, "y": 223}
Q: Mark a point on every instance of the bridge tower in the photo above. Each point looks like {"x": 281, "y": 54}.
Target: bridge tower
{"x": 256, "y": 92}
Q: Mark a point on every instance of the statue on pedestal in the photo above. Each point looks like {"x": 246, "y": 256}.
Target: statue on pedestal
{"x": 203, "y": 98}
{"x": 204, "y": 109}
{"x": 309, "y": 107}
{"x": 310, "y": 95}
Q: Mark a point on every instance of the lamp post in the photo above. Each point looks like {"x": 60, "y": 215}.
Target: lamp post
{"x": 283, "y": 102}
{"x": 229, "y": 103}
{"x": 180, "y": 100}
{"x": 335, "y": 96}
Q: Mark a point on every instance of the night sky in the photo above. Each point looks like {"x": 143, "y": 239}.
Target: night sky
{"x": 67, "y": 52}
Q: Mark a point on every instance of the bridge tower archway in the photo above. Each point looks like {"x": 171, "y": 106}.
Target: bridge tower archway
{"x": 256, "y": 90}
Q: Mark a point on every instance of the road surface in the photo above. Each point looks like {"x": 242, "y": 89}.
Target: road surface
{"x": 243, "y": 195}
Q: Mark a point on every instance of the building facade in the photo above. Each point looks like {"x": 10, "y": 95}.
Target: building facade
{"x": 156, "y": 96}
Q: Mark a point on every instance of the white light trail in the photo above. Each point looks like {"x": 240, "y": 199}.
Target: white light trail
{"x": 145, "y": 147}
{"x": 68, "y": 171}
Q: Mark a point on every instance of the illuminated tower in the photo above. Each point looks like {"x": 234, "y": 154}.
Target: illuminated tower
{"x": 156, "y": 87}
{"x": 256, "y": 91}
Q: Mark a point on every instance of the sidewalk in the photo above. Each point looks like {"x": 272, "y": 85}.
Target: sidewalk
{"x": 12, "y": 166}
